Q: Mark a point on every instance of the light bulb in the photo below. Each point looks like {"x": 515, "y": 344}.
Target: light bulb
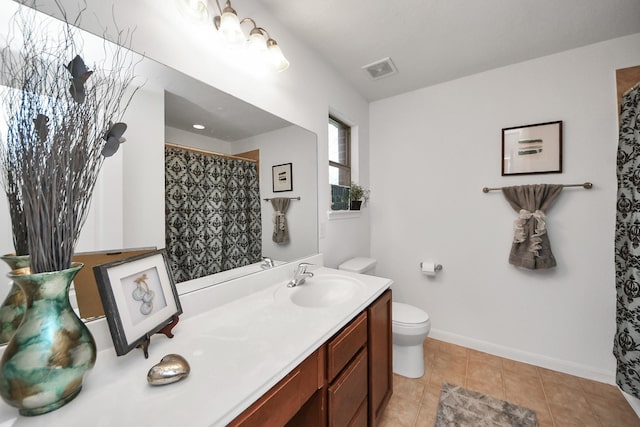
{"x": 230, "y": 27}
{"x": 196, "y": 10}
{"x": 198, "y": 7}
{"x": 276, "y": 56}
{"x": 257, "y": 42}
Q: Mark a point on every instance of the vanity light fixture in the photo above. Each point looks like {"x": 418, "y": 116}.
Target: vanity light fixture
{"x": 259, "y": 41}
{"x": 196, "y": 10}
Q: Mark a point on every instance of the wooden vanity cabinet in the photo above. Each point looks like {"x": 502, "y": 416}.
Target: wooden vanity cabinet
{"x": 347, "y": 382}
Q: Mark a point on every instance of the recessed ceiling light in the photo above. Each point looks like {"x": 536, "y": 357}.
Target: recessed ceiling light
{"x": 199, "y": 127}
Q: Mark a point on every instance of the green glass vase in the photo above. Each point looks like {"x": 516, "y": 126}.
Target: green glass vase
{"x": 45, "y": 361}
{"x": 14, "y": 305}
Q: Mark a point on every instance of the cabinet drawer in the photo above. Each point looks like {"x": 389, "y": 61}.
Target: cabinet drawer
{"x": 280, "y": 404}
{"x": 348, "y": 393}
{"x": 345, "y": 345}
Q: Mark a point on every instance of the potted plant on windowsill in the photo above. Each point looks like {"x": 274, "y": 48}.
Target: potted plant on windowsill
{"x": 356, "y": 194}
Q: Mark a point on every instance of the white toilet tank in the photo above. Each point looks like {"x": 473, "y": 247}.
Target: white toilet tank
{"x": 359, "y": 265}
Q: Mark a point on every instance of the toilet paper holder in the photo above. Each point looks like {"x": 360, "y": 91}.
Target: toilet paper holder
{"x": 436, "y": 267}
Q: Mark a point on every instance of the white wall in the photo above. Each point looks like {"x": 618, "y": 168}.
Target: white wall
{"x": 127, "y": 206}
{"x": 432, "y": 151}
{"x": 143, "y": 171}
{"x": 106, "y": 208}
{"x": 297, "y": 146}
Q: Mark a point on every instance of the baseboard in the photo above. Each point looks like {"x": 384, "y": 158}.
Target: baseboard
{"x": 633, "y": 402}
{"x": 567, "y": 367}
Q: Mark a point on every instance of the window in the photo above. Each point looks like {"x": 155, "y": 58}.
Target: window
{"x": 339, "y": 163}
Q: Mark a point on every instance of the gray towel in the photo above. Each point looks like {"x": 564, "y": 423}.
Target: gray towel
{"x": 531, "y": 248}
{"x": 280, "y": 231}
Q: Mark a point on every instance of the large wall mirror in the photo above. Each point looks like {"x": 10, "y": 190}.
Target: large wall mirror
{"x": 128, "y": 206}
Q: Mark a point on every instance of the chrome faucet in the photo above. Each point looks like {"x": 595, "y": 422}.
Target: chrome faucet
{"x": 267, "y": 263}
{"x": 300, "y": 275}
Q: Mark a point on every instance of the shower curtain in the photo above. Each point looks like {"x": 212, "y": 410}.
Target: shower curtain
{"x": 626, "y": 346}
{"x": 212, "y": 213}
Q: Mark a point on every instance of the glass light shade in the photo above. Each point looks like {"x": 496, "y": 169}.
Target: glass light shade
{"x": 196, "y": 10}
{"x": 230, "y": 27}
{"x": 199, "y": 8}
{"x": 257, "y": 42}
{"x": 276, "y": 56}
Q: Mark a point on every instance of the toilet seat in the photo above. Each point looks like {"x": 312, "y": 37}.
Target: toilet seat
{"x": 407, "y": 315}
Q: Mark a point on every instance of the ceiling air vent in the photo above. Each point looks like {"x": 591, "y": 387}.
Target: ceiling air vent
{"x": 379, "y": 69}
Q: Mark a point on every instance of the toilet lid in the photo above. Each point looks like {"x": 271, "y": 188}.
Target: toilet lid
{"x": 408, "y": 314}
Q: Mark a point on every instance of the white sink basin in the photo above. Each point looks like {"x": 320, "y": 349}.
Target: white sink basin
{"x": 324, "y": 290}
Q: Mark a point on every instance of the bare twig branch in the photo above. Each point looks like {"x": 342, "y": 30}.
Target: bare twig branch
{"x": 53, "y": 153}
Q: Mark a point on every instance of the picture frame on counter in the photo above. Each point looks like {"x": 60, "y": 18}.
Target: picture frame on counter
{"x": 139, "y": 298}
{"x": 282, "y": 177}
{"x": 532, "y": 149}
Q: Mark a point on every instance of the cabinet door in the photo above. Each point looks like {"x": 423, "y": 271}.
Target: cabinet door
{"x": 380, "y": 357}
{"x": 348, "y": 393}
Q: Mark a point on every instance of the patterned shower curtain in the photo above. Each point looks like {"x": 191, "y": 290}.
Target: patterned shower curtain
{"x": 212, "y": 208}
{"x": 626, "y": 346}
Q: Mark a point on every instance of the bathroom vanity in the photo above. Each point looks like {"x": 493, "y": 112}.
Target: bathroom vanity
{"x": 347, "y": 381}
{"x": 260, "y": 354}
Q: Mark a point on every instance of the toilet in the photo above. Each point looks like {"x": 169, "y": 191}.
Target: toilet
{"x": 410, "y": 326}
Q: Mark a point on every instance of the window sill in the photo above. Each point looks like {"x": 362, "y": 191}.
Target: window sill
{"x": 334, "y": 215}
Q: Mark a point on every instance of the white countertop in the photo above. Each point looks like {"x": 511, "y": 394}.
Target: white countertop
{"x": 237, "y": 351}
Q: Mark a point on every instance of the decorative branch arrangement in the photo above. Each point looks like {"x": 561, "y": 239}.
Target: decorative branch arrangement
{"x": 61, "y": 124}
{"x": 10, "y": 178}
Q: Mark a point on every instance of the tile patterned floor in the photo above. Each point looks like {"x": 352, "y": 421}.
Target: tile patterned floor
{"x": 559, "y": 399}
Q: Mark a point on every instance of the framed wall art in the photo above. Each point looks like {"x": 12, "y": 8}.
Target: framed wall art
{"x": 532, "y": 149}
{"x": 282, "y": 177}
{"x": 139, "y": 298}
